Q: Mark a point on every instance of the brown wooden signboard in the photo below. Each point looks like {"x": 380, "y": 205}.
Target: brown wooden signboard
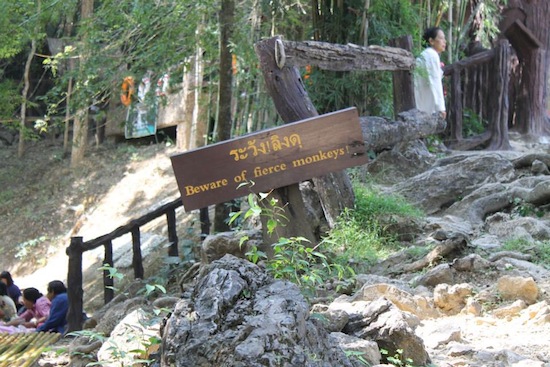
{"x": 269, "y": 159}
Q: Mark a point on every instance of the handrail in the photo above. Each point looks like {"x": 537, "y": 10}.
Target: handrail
{"x": 77, "y": 247}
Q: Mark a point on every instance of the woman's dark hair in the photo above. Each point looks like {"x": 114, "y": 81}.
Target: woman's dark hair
{"x": 3, "y": 289}
{"x": 430, "y": 33}
{"x": 31, "y": 294}
{"x": 6, "y": 275}
{"x": 56, "y": 287}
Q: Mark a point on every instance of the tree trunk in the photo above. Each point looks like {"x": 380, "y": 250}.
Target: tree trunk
{"x": 403, "y": 85}
{"x": 80, "y": 128}
{"x": 533, "y": 48}
{"x": 223, "y": 131}
{"x": 330, "y": 56}
{"x": 24, "y": 93}
{"x": 499, "y": 104}
{"x": 382, "y": 134}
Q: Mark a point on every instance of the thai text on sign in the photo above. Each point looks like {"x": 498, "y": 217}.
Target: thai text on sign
{"x": 269, "y": 159}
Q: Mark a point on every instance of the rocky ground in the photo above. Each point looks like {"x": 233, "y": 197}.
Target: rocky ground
{"x": 491, "y": 324}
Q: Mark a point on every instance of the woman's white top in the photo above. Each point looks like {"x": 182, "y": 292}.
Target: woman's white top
{"x": 428, "y": 86}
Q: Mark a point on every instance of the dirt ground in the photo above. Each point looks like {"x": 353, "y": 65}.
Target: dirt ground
{"x": 43, "y": 202}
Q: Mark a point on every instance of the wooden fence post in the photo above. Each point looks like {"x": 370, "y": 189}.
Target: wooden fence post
{"x": 137, "y": 261}
{"x": 108, "y": 281}
{"x": 403, "y": 85}
{"x": 74, "y": 285}
{"x": 172, "y": 233}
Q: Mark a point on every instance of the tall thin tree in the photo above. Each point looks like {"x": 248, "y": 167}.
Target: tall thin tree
{"x": 224, "y": 123}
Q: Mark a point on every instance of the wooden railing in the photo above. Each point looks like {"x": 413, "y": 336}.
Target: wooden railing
{"x": 77, "y": 247}
{"x": 479, "y": 85}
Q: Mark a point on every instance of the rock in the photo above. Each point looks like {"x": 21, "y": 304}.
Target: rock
{"x": 510, "y": 310}
{"x": 451, "y": 299}
{"x": 513, "y": 288}
{"x": 440, "y": 274}
{"x": 239, "y": 316}
{"x": 384, "y": 323}
{"x": 453, "y": 179}
{"x": 115, "y": 312}
{"x": 129, "y": 337}
{"x": 416, "y": 305}
{"x": 332, "y": 320}
{"x": 215, "y": 246}
{"x": 538, "y": 313}
{"x": 366, "y": 349}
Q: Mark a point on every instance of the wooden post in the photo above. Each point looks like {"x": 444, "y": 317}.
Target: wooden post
{"x": 108, "y": 282}
{"x": 403, "y": 84}
{"x": 456, "y": 108}
{"x": 172, "y": 233}
{"x": 292, "y": 102}
{"x": 205, "y": 222}
{"x": 498, "y": 102}
{"x": 74, "y": 285}
{"x": 137, "y": 261}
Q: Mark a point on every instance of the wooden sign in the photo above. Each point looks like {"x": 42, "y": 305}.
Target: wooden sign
{"x": 269, "y": 159}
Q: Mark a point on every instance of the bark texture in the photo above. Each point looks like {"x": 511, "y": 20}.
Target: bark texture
{"x": 329, "y": 56}
{"x": 533, "y": 51}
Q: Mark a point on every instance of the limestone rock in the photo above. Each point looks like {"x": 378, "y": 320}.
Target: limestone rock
{"x": 239, "y": 316}
{"x": 513, "y": 288}
{"x": 451, "y": 299}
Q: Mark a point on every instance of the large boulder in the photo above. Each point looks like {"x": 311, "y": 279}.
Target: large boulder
{"x": 240, "y": 316}
{"x": 452, "y": 179}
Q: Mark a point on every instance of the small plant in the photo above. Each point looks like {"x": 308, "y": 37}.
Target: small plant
{"x": 540, "y": 250}
{"x": 294, "y": 259}
{"x": 523, "y": 209}
{"x": 357, "y": 355}
{"x": 114, "y": 273}
{"x": 397, "y": 359}
{"x": 472, "y": 124}
{"x": 24, "y": 249}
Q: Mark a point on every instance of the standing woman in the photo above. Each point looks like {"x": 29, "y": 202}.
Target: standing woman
{"x": 13, "y": 291}
{"x": 428, "y": 86}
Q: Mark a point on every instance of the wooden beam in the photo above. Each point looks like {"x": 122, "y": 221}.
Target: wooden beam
{"x": 336, "y": 57}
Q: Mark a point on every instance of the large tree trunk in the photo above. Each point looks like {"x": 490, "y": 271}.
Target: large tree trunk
{"x": 223, "y": 131}
{"x": 531, "y": 39}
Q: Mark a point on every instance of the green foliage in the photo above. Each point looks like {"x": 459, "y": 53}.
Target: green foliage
{"x": 118, "y": 353}
{"x": 357, "y": 236}
{"x": 397, "y": 358}
{"x": 370, "y": 92}
{"x": 522, "y": 208}
{"x": 392, "y": 19}
{"x": 357, "y": 355}
{"x": 10, "y": 100}
{"x": 540, "y": 250}
{"x": 113, "y": 273}
{"x": 294, "y": 259}
{"x": 472, "y": 124}
{"x": 370, "y": 203}
{"x": 25, "y": 249}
